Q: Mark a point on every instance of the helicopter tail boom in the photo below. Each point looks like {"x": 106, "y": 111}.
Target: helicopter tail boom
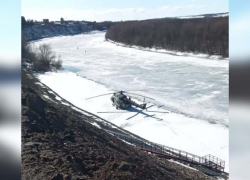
{"x": 142, "y": 106}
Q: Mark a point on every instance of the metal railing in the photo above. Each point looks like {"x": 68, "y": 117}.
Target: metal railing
{"x": 213, "y": 162}
{"x": 208, "y": 161}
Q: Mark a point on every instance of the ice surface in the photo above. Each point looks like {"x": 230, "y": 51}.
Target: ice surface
{"x": 183, "y": 84}
{"x": 176, "y": 53}
{"x": 191, "y": 91}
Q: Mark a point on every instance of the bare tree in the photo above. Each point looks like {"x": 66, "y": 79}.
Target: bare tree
{"x": 42, "y": 58}
{"x": 28, "y": 51}
{"x": 24, "y": 45}
{"x": 45, "y": 57}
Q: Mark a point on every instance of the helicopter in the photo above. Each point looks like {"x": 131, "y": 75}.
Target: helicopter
{"x": 122, "y": 101}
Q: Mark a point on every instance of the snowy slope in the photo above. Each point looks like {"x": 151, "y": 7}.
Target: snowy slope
{"x": 205, "y": 16}
{"x": 192, "y": 90}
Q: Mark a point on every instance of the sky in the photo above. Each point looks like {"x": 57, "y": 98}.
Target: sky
{"x": 239, "y": 28}
{"x": 117, "y": 10}
{"x": 10, "y": 39}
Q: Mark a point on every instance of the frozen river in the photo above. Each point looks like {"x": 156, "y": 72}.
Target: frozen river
{"x": 195, "y": 87}
{"x": 192, "y": 91}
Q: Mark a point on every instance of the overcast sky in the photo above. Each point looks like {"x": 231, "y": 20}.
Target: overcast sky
{"x": 117, "y": 10}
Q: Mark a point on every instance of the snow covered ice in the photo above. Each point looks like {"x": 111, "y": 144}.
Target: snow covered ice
{"x": 191, "y": 107}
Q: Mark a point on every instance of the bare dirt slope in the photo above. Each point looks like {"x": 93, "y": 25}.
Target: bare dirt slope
{"x": 59, "y": 144}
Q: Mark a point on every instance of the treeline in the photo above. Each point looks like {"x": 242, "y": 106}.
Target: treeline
{"x": 105, "y": 25}
{"x": 95, "y": 25}
{"x": 200, "y": 35}
{"x": 29, "y": 22}
{"x": 42, "y": 58}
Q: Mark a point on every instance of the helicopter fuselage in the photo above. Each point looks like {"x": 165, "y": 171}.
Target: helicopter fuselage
{"x": 121, "y": 101}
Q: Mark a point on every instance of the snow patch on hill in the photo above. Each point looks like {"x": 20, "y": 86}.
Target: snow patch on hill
{"x": 205, "y": 16}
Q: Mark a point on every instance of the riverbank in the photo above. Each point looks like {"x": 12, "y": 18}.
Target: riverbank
{"x": 165, "y": 127}
{"x": 59, "y": 142}
{"x": 174, "y": 53}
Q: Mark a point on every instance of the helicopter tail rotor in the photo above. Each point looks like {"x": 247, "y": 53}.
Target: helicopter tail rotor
{"x": 143, "y": 106}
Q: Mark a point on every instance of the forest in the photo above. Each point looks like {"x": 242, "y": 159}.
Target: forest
{"x": 198, "y": 35}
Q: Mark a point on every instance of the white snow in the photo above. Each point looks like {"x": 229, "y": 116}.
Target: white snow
{"x": 65, "y": 104}
{"x": 182, "y": 164}
{"x": 190, "y": 17}
{"x": 95, "y": 124}
{"x": 46, "y": 96}
{"x": 159, "y": 50}
{"x": 204, "y": 16}
{"x": 194, "y": 91}
{"x": 40, "y": 84}
{"x": 78, "y": 110}
{"x": 127, "y": 142}
{"x": 58, "y": 98}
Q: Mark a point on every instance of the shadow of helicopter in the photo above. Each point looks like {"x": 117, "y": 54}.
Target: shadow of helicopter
{"x": 137, "y": 111}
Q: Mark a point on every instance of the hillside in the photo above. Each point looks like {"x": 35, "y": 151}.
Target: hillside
{"x": 43, "y": 31}
{"x": 60, "y": 143}
{"x": 196, "y": 35}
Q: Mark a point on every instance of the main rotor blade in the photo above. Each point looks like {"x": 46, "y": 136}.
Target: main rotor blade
{"x": 138, "y": 95}
{"x": 158, "y": 111}
{"x": 134, "y": 90}
{"x": 127, "y": 90}
{"x": 113, "y": 112}
{"x": 149, "y": 107}
{"x": 133, "y": 116}
{"x": 98, "y": 96}
{"x": 114, "y": 90}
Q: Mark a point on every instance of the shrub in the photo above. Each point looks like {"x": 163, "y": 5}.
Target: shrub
{"x": 57, "y": 64}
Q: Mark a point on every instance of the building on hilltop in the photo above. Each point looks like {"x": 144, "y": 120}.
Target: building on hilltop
{"x": 62, "y": 21}
{"x": 46, "y": 21}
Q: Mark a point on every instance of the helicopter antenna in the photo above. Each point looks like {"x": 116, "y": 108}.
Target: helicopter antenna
{"x": 98, "y": 96}
{"x": 138, "y": 95}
